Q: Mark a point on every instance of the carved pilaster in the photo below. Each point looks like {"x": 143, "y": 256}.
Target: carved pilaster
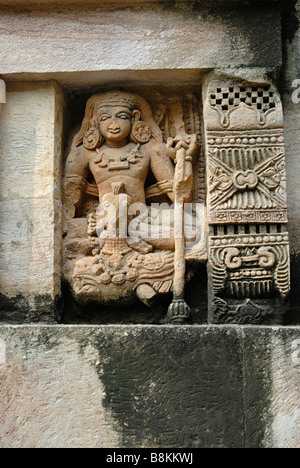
{"x": 249, "y": 271}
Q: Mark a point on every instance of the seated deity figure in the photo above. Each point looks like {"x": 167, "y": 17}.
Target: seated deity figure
{"x": 118, "y": 145}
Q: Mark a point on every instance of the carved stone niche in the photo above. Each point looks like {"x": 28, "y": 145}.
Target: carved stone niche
{"x": 248, "y": 251}
{"x": 135, "y": 161}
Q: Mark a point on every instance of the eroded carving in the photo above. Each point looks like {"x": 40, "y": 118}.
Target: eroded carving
{"x": 106, "y": 189}
{"x": 247, "y": 206}
{"x": 247, "y": 312}
{"x": 261, "y": 99}
{"x": 250, "y": 266}
{"x": 246, "y": 176}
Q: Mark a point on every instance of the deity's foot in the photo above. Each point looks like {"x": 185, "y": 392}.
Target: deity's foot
{"x": 146, "y": 294}
{"x": 179, "y": 313}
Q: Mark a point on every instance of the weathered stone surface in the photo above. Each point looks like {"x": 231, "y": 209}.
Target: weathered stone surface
{"x": 290, "y": 89}
{"x": 2, "y": 92}
{"x": 257, "y": 393}
{"x": 30, "y": 234}
{"x": 145, "y": 386}
{"x": 150, "y": 38}
{"x": 290, "y": 85}
{"x": 283, "y": 429}
{"x": 271, "y": 393}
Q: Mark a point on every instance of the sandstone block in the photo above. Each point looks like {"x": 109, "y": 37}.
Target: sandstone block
{"x": 155, "y": 37}
{"x": 116, "y": 386}
{"x": 30, "y": 204}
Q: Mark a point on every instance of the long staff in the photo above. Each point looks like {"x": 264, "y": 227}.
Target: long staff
{"x": 179, "y": 311}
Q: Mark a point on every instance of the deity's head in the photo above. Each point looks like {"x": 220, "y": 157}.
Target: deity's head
{"x": 116, "y": 118}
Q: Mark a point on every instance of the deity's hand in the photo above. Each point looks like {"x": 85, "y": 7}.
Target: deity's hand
{"x": 171, "y": 148}
{"x": 73, "y": 189}
{"x": 139, "y": 245}
{"x": 182, "y": 141}
{"x": 183, "y": 149}
{"x": 92, "y": 225}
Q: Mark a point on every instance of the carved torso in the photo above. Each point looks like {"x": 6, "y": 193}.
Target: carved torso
{"x": 129, "y": 164}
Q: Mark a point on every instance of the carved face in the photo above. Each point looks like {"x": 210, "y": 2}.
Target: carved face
{"x": 115, "y": 122}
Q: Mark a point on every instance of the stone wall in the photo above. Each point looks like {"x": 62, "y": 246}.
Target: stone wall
{"x": 30, "y": 181}
{"x": 145, "y": 386}
{"x": 291, "y": 72}
{"x": 142, "y": 37}
{"x": 118, "y": 386}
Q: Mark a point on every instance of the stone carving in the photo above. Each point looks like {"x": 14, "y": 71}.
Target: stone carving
{"x": 119, "y": 143}
{"x": 247, "y": 207}
{"x": 227, "y": 99}
{"x": 247, "y": 181}
{"x": 250, "y": 266}
{"x": 246, "y": 313}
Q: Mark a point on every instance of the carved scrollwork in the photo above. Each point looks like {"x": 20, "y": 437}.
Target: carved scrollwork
{"x": 246, "y": 178}
{"x": 250, "y": 269}
{"x": 232, "y": 258}
{"x": 282, "y": 271}
{"x": 267, "y": 257}
{"x": 247, "y": 312}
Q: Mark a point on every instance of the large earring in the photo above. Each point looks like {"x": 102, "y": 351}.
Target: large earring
{"x": 140, "y": 133}
{"x": 92, "y": 139}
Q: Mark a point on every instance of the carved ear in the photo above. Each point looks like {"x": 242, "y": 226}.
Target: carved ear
{"x": 86, "y": 123}
{"x": 136, "y": 115}
{"x": 92, "y": 139}
{"x": 140, "y": 133}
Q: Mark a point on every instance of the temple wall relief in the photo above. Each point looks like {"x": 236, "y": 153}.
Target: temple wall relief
{"x": 248, "y": 247}
{"x": 133, "y": 167}
{"x": 127, "y": 111}
{"x": 234, "y": 170}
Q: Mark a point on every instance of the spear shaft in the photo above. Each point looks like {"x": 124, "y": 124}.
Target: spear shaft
{"x": 179, "y": 311}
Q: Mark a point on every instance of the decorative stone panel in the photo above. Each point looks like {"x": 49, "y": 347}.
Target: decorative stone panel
{"x": 249, "y": 271}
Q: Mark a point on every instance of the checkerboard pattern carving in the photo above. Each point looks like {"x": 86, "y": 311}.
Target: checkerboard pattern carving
{"x": 261, "y": 98}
